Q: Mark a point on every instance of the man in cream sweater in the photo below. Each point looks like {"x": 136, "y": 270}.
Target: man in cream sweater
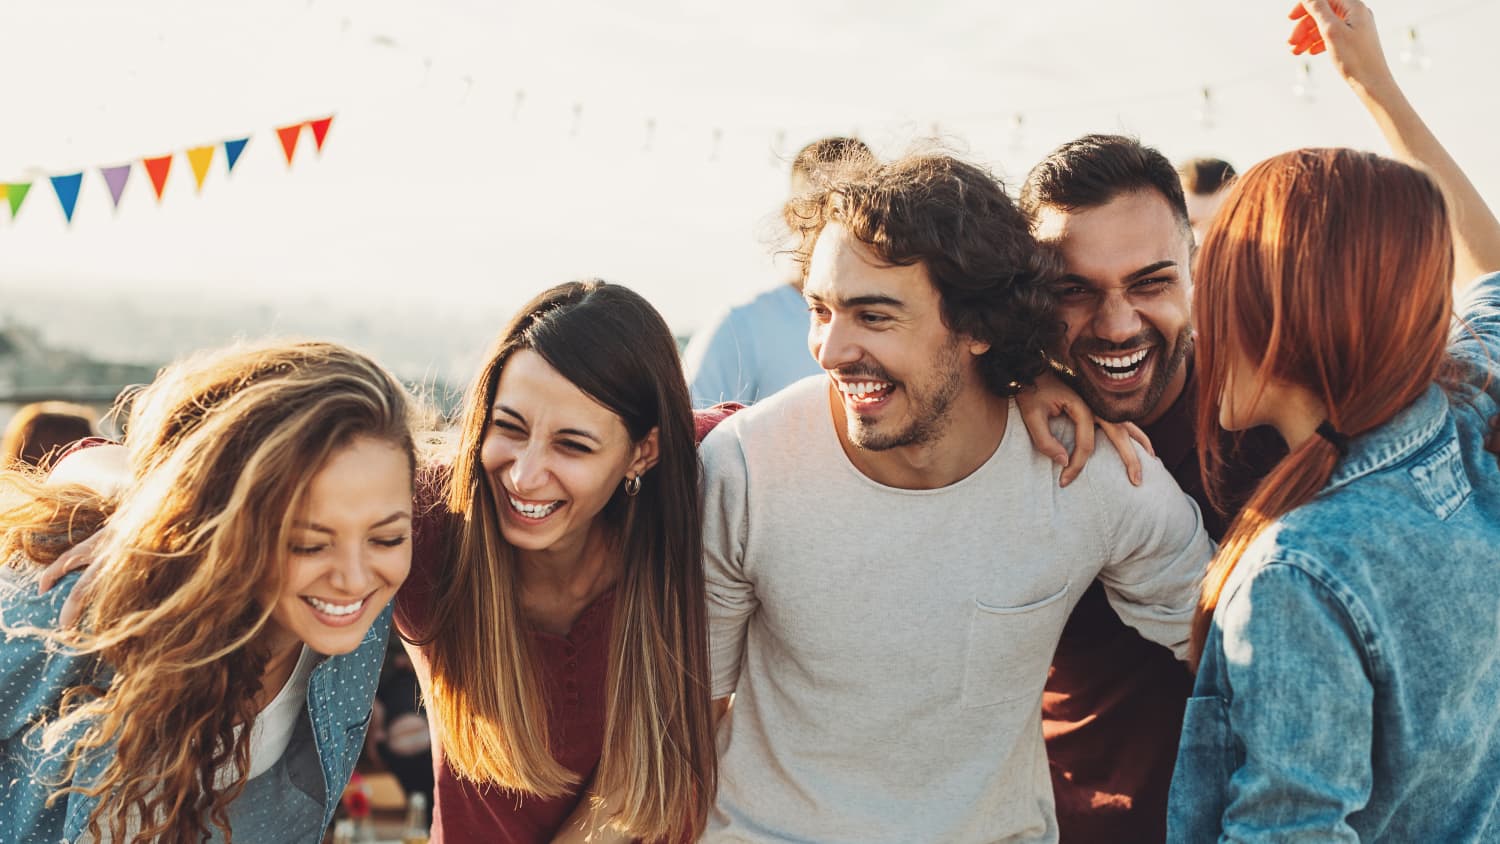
{"x": 889, "y": 561}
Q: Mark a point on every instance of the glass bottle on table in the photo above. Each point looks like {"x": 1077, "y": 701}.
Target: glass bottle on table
{"x": 416, "y": 830}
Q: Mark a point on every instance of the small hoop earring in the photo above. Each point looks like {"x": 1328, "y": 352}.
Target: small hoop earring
{"x": 633, "y": 485}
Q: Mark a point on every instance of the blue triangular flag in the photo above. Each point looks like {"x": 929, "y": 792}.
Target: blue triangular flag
{"x": 232, "y": 150}
{"x": 67, "y": 192}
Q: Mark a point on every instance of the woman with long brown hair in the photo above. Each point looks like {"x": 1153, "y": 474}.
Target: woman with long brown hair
{"x": 1345, "y": 643}
{"x": 220, "y": 681}
{"x": 556, "y": 608}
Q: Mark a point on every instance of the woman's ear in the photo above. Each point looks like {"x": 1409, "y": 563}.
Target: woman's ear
{"x": 647, "y": 452}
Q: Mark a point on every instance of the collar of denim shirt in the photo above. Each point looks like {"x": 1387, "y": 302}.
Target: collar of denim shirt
{"x": 1406, "y": 433}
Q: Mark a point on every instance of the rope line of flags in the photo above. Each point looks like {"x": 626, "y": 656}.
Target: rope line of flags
{"x": 116, "y": 177}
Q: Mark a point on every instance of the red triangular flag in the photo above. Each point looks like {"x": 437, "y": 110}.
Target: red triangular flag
{"x": 157, "y": 169}
{"x": 320, "y": 130}
{"x": 289, "y": 136}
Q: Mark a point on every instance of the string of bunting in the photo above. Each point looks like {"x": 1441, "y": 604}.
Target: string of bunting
{"x": 116, "y": 176}
{"x": 1197, "y": 101}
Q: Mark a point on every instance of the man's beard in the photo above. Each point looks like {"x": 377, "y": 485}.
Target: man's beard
{"x": 930, "y": 406}
{"x": 1133, "y": 407}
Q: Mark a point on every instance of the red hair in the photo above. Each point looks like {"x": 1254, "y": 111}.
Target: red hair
{"x": 1329, "y": 270}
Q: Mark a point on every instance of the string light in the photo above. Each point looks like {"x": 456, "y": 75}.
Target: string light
{"x": 1205, "y": 112}
{"x": 1412, "y": 53}
{"x": 1304, "y": 88}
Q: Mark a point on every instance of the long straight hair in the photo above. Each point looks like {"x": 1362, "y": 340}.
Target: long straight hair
{"x": 487, "y": 696}
{"x": 1331, "y": 270}
{"x": 222, "y": 448}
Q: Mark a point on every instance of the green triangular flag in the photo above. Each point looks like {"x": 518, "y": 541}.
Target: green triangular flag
{"x": 16, "y": 193}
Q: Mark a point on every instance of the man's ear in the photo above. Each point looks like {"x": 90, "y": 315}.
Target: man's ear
{"x": 978, "y": 347}
{"x": 647, "y": 452}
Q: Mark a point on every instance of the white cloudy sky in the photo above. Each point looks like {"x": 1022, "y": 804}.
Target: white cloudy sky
{"x": 440, "y": 184}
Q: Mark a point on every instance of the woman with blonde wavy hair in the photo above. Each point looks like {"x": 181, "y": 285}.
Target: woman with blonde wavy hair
{"x": 1345, "y": 640}
{"x": 220, "y": 680}
{"x": 556, "y": 608}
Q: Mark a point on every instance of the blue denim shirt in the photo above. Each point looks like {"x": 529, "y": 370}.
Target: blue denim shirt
{"x": 292, "y": 802}
{"x": 1350, "y": 685}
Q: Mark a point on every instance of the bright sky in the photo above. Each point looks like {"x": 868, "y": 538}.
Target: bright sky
{"x": 457, "y": 173}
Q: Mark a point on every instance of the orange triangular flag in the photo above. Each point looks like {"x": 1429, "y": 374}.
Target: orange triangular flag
{"x": 157, "y": 169}
{"x": 289, "y": 136}
{"x": 320, "y": 130}
{"x": 200, "y": 158}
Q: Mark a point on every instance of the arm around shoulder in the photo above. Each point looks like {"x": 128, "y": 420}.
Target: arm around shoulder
{"x": 726, "y": 523}
{"x": 33, "y": 671}
{"x": 1156, "y": 548}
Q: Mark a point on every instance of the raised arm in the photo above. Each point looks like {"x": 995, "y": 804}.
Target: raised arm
{"x": 1346, "y": 29}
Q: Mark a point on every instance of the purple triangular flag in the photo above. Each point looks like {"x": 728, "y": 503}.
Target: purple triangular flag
{"x": 115, "y": 177}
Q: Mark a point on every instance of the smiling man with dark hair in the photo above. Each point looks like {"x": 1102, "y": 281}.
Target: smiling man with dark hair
{"x": 1114, "y": 210}
{"x": 889, "y": 561}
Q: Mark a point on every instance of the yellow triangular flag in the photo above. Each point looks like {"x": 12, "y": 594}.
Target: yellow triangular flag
{"x": 199, "y": 158}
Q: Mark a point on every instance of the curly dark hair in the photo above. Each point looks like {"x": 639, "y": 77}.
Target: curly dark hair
{"x": 956, "y": 220}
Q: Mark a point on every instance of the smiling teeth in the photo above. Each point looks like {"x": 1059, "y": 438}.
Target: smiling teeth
{"x": 534, "y": 511}
{"x": 863, "y": 390}
{"x": 1120, "y": 362}
{"x": 335, "y": 609}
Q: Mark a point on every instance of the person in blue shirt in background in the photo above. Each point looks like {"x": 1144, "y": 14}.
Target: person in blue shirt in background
{"x": 221, "y": 675}
{"x": 1346, "y": 639}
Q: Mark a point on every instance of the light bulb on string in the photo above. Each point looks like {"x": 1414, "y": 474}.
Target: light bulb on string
{"x": 1205, "y": 111}
{"x": 1304, "y": 88}
{"x": 1413, "y": 55}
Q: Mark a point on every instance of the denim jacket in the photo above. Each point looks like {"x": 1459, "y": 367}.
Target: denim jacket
{"x": 1350, "y": 684}
{"x": 292, "y": 802}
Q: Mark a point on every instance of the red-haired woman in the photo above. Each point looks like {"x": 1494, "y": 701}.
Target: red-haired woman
{"x": 1348, "y": 671}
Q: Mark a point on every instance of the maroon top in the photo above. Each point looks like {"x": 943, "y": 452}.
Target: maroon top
{"x": 1112, "y": 710}
{"x": 573, "y": 669}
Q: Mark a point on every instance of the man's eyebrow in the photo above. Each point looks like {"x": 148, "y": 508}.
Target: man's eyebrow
{"x": 867, "y": 300}
{"x": 1076, "y": 278}
{"x": 1152, "y": 268}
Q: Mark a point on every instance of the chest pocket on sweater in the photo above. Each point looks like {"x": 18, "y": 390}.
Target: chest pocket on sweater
{"x": 1010, "y": 649}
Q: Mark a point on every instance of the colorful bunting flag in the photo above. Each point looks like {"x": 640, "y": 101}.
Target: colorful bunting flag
{"x": 115, "y": 178}
{"x": 157, "y": 169}
{"x": 232, "y": 150}
{"x": 67, "y": 192}
{"x": 289, "y": 136}
{"x": 15, "y": 193}
{"x": 199, "y": 158}
{"x": 320, "y": 130}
